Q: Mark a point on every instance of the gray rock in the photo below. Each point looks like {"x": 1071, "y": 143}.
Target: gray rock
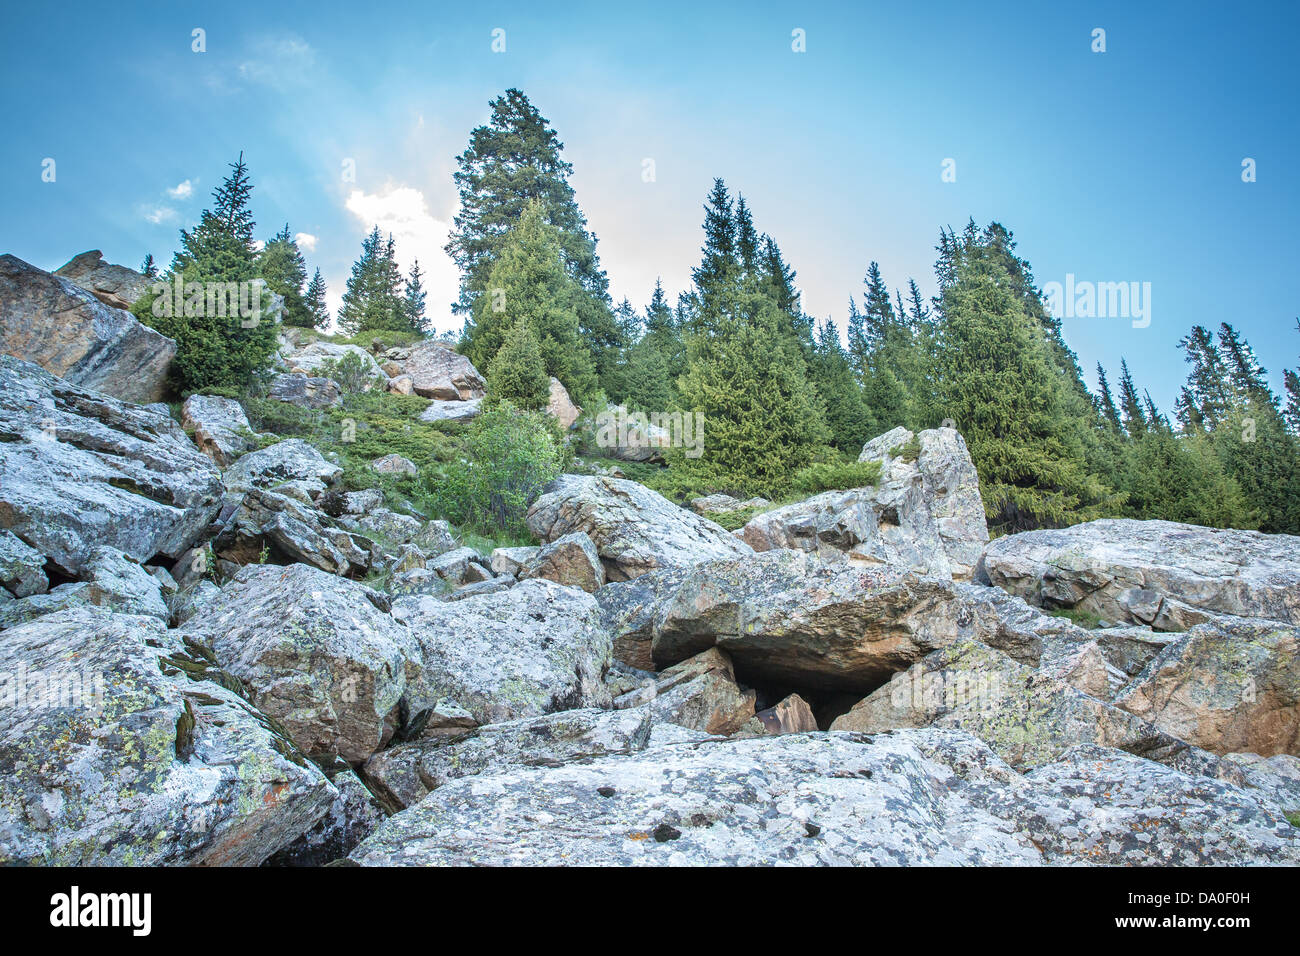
{"x": 309, "y": 357}
{"x": 634, "y": 529}
{"x": 435, "y": 538}
{"x": 700, "y": 693}
{"x": 459, "y": 566}
{"x": 394, "y": 465}
{"x": 389, "y": 526}
{"x": 336, "y": 504}
{"x": 315, "y": 653}
{"x": 438, "y": 372}
{"x": 924, "y": 513}
{"x": 713, "y": 504}
{"x": 22, "y": 568}
{"x": 512, "y": 560}
{"x": 307, "y": 391}
{"x": 560, "y": 406}
{"x": 79, "y": 469}
{"x": 221, "y": 429}
{"x": 913, "y": 797}
{"x": 534, "y": 649}
{"x": 352, "y": 816}
{"x": 192, "y": 601}
{"x": 570, "y": 560}
{"x": 288, "y": 460}
{"x": 122, "y": 585}
{"x": 135, "y": 763}
{"x": 1168, "y": 575}
{"x": 54, "y": 323}
{"x": 1232, "y": 685}
{"x": 113, "y": 285}
{"x": 452, "y": 411}
{"x": 282, "y": 529}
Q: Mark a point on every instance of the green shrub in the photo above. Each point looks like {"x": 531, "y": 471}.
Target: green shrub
{"x": 511, "y": 455}
{"x": 909, "y": 451}
{"x": 351, "y": 372}
{"x": 824, "y": 476}
{"x": 731, "y": 520}
{"x": 1084, "y": 619}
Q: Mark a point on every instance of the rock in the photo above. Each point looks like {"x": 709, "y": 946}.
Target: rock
{"x": 628, "y": 611}
{"x": 452, "y": 411}
{"x": 630, "y": 436}
{"x": 571, "y": 560}
{"x": 312, "y": 356}
{"x": 400, "y": 384}
{"x": 144, "y": 766}
{"x": 1276, "y": 779}
{"x": 336, "y": 504}
{"x": 122, "y": 585}
{"x": 51, "y": 322}
{"x": 192, "y": 601}
{"x": 418, "y": 581}
{"x": 715, "y": 504}
{"x": 116, "y": 286}
{"x": 437, "y": 371}
{"x": 389, "y": 526}
{"x": 1168, "y": 575}
{"x": 79, "y": 469}
{"x": 700, "y": 693}
{"x": 560, "y": 407}
{"x": 15, "y": 611}
{"x": 459, "y": 566}
{"x": 512, "y": 560}
{"x": 289, "y": 460}
{"x": 315, "y": 653}
{"x": 924, "y": 513}
{"x": 435, "y": 538}
{"x": 394, "y": 465}
{"x": 787, "y": 618}
{"x": 790, "y": 716}
{"x": 532, "y": 650}
{"x": 407, "y": 773}
{"x": 270, "y": 526}
{"x": 299, "y": 388}
{"x": 1028, "y": 717}
{"x": 221, "y": 429}
{"x": 352, "y": 816}
{"x": 634, "y": 529}
{"x": 913, "y": 797}
{"x": 502, "y": 582}
{"x": 1228, "y": 686}
{"x": 22, "y": 569}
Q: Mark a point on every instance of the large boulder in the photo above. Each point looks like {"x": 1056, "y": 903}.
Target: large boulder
{"x": 1225, "y": 686}
{"x": 315, "y": 653}
{"x": 924, "y": 513}
{"x": 913, "y": 797}
{"x": 441, "y": 410}
{"x": 788, "y": 618}
{"x": 700, "y": 693}
{"x": 308, "y": 358}
{"x": 54, "y": 323}
{"x": 307, "y": 391}
{"x": 560, "y": 406}
{"x": 117, "y": 752}
{"x": 22, "y": 568}
{"x": 290, "y": 460}
{"x": 79, "y": 469}
{"x": 571, "y": 560}
{"x": 220, "y": 427}
{"x": 285, "y": 529}
{"x": 113, "y": 285}
{"x": 438, "y": 371}
{"x": 534, "y": 649}
{"x": 634, "y": 529}
{"x": 1161, "y": 573}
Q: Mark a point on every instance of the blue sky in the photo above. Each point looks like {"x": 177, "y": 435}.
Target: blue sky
{"x": 1123, "y": 166}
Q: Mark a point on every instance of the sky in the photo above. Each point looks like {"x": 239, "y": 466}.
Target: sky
{"x": 894, "y": 120}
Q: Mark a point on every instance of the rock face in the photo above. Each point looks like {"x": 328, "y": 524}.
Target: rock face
{"x": 158, "y": 769}
{"x": 446, "y": 411}
{"x": 1161, "y": 573}
{"x": 53, "y": 323}
{"x": 560, "y": 406}
{"x": 407, "y": 773}
{"x": 634, "y": 529}
{"x": 571, "y": 560}
{"x": 299, "y": 388}
{"x": 534, "y": 649}
{"x": 1227, "y": 686}
{"x": 912, "y": 797}
{"x": 700, "y": 693}
{"x": 288, "y": 529}
{"x": 925, "y": 512}
{"x": 789, "y": 618}
{"x": 221, "y": 429}
{"x": 290, "y": 460}
{"x": 22, "y": 569}
{"x": 437, "y": 371}
{"x": 315, "y": 653}
{"x": 79, "y": 469}
{"x": 113, "y": 285}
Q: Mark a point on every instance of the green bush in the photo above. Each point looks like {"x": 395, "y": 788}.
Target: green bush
{"x": 731, "y": 520}
{"x": 824, "y": 476}
{"x": 511, "y": 455}
{"x": 907, "y": 452}
{"x": 351, "y": 372}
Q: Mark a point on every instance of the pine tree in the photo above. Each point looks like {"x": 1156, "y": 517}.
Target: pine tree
{"x": 747, "y": 241}
{"x": 282, "y": 266}
{"x": 315, "y": 302}
{"x": 517, "y": 373}
{"x": 374, "y": 300}
{"x": 1135, "y": 419}
{"x": 147, "y": 268}
{"x": 215, "y": 348}
{"x": 646, "y": 385}
{"x": 718, "y": 274}
{"x": 414, "y": 297}
{"x": 1109, "y": 410}
{"x": 847, "y": 416}
{"x": 511, "y": 161}
{"x": 528, "y": 282}
{"x": 1206, "y": 398}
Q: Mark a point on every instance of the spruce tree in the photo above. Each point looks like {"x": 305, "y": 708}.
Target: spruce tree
{"x": 215, "y": 350}
{"x": 1135, "y": 419}
{"x": 315, "y": 301}
{"x": 374, "y": 300}
{"x": 1109, "y": 410}
{"x": 147, "y": 268}
{"x": 847, "y": 416}
{"x": 517, "y": 373}
{"x": 282, "y": 266}
{"x": 414, "y": 297}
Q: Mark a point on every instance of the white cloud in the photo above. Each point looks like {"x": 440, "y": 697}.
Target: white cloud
{"x": 306, "y": 241}
{"x": 402, "y": 210}
{"x": 259, "y": 244}
{"x": 278, "y": 61}
{"x": 159, "y": 214}
{"x": 184, "y": 191}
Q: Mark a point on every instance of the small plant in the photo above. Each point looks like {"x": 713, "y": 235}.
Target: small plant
{"x": 352, "y": 373}
{"x": 1293, "y": 818}
{"x": 1078, "y": 616}
{"x": 731, "y": 520}
{"x": 908, "y": 452}
{"x": 825, "y": 476}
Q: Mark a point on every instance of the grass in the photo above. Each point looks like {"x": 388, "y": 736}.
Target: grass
{"x": 1084, "y": 619}
{"x": 1293, "y": 818}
